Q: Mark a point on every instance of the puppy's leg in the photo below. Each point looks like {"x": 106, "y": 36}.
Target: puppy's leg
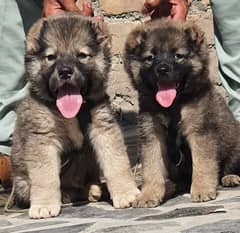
{"x": 107, "y": 140}
{"x": 22, "y": 191}
{"x": 154, "y": 171}
{"x": 44, "y": 169}
{"x": 204, "y": 167}
{"x": 94, "y": 186}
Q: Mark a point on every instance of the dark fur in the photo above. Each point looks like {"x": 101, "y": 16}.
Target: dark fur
{"x": 198, "y": 125}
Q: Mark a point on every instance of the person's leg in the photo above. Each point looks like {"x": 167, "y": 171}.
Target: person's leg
{"x": 227, "y": 34}
{"x": 12, "y": 84}
{"x": 13, "y": 20}
{"x": 15, "y": 16}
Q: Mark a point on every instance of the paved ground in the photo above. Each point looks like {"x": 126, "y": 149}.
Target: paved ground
{"x": 176, "y": 215}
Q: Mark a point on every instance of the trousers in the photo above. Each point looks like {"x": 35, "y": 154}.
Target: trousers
{"x": 226, "y": 19}
{"x": 16, "y": 16}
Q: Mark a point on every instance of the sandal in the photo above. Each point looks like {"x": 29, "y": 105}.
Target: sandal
{"x": 5, "y": 171}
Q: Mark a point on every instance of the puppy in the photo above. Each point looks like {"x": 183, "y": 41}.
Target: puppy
{"x": 182, "y": 117}
{"x": 65, "y": 120}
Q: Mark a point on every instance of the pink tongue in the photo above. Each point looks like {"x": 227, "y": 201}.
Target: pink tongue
{"x": 166, "y": 93}
{"x": 69, "y": 101}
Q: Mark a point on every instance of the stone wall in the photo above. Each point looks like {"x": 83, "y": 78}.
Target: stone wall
{"x": 121, "y": 17}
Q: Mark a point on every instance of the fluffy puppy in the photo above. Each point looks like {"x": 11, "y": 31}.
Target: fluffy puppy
{"x": 182, "y": 117}
{"x": 65, "y": 120}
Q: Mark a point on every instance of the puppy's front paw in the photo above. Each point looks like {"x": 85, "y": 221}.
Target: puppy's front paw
{"x": 44, "y": 211}
{"x": 230, "y": 180}
{"x": 203, "y": 193}
{"x": 149, "y": 197}
{"x": 124, "y": 197}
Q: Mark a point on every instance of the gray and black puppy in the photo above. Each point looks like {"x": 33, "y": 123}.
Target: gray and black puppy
{"x": 65, "y": 120}
{"x": 182, "y": 117}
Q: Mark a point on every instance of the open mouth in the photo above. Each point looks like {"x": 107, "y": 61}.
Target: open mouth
{"x": 69, "y": 101}
{"x": 166, "y": 93}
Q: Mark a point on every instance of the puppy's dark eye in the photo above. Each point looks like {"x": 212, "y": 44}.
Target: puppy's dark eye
{"x": 51, "y": 57}
{"x": 149, "y": 58}
{"x": 179, "y": 56}
{"x": 82, "y": 55}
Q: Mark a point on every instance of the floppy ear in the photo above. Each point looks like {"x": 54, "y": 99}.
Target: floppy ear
{"x": 195, "y": 35}
{"x": 103, "y": 35}
{"x": 136, "y": 40}
{"x": 32, "y": 43}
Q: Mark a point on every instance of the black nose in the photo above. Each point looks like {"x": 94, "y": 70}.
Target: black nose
{"x": 162, "y": 69}
{"x": 65, "y": 72}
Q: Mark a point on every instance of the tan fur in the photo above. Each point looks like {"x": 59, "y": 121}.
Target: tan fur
{"x": 54, "y": 158}
{"x": 113, "y": 161}
{"x": 230, "y": 180}
{"x": 154, "y": 171}
{"x": 205, "y": 167}
{"x": 75, "y": 135}
{"x": 45, "y": 204}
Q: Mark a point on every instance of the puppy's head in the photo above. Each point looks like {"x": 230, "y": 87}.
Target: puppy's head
{"x": 168, "y": 58}
{"x": 67, "y": 61}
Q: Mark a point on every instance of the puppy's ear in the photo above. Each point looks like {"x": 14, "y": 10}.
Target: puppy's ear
{"x": 34, "y": 33}
{"x": 195, "y": 35}
{"x": 136, "y": 41}
{"x": 103, "y": 35}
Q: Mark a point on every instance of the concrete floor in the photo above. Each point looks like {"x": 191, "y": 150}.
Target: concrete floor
{"x": 178, "y": 214}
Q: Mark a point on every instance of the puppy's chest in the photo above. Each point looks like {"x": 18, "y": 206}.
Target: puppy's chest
{"x": 78, "y": 128}
{"x": 75, "y": 134}
{"x": 174, "y": 129}
{"x": 171, "y": 121}
{"x": 177, "y": 145}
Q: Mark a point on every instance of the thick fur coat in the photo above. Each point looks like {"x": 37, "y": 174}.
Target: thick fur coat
{"x": 65, "y": 128}
{"x": 188, "y": 133}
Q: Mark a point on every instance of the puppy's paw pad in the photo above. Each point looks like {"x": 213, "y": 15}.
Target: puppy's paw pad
{"x": 95, "y": 193}
{"x": 125, "y": 199}
{"x": 230, "y": 180}
{"x": 202, "y": 195}
{"x": 44, "y": 211}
